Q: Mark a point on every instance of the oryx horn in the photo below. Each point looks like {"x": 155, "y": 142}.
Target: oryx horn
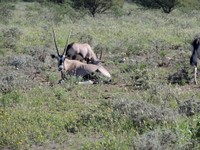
{"x": 55, "y": 41}
{"x": 67, "y": 42}
{"x": 100, "y": 55}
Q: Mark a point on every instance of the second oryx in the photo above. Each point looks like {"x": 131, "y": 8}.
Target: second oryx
{"x": 74, "y": 50}
{"x": 77, "y": 68}
{"x": 195, "y": 56}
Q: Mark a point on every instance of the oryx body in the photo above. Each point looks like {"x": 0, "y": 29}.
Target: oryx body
{"x": 77, "y": 68}
{"x": 195, "y": 56}
{"x": 84, "y": 50}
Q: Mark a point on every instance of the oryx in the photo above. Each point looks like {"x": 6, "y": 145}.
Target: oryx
{"x": 77, "y": 68}
{"x": 195, "y": 56}
{"x": 84, "y": 50}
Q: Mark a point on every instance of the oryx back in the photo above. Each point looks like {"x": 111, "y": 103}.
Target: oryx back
{"x": 84, "y": 50}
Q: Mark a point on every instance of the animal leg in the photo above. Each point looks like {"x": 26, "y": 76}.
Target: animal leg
{"x": 61, "y": 81}
{"x": 79, "y": 57}
{"x": 195, "y": 75}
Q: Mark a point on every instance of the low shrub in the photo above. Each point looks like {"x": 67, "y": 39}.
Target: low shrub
{"x": 166, "y": 6}
{"x": 180, "y": 77}
{"x": 189, "y": 107}
{"x": 136, "y": 75}
{"x": 10, "y": 37}
{"x": 156, "y": 139}
{"x": 10, "y": 99}
{"x": 6, "y": 10}
{"x": 144, "y": 115}
{"x": 196, "y": 135}
{"x": 22, "y": 129}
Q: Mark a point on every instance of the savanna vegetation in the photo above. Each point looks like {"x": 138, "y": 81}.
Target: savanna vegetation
{"x": 151, "y": 102}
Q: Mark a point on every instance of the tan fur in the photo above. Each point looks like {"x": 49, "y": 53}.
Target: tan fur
{"x": 85, "y": 50}
{"x": 77, "y": 68}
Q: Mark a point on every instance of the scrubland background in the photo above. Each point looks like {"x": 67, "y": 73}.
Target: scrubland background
{"x": 151, "y": 103}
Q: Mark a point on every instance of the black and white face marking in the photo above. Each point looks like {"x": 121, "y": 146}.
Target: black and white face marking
{"x": 60, "y": 59}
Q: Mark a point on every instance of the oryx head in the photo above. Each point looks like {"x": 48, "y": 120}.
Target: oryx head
{"x": 60, "y": 57}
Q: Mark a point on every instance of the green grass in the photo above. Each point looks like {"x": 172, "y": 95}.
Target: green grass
{"x": 141, "y": 101}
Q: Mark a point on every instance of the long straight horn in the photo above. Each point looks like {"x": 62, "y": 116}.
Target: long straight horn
{"x": 67, "y": 42}
{"x": 55, "y": 41}
{"x": 96, "y": 55}
{"x": 100, "y": 55}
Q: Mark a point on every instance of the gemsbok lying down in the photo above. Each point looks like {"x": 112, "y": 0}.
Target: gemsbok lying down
{"x": 195, "y": 56}
{"x": 79, "y": 69}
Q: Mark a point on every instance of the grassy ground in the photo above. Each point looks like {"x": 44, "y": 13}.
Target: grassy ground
{"x": 151, "y": 103}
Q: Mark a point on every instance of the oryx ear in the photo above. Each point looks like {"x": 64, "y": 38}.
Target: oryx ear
{"x": 53, "y": 56}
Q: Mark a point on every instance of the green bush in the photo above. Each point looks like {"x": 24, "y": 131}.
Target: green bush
{"x": 96, "y": 6}
{"x": 156, "y": 139}
{"x": 180, "y": 77}
{"x": 10, "y": 99}
{"x": 22, "y": 129}
{"x": 166, "y": 6}
{"x": 10, "y": 37}
{"x": 6, "y": 10}
{"x": 136, "y": 75}
{"x": 10, "y": 1}
{"x": 42, "y": 1}
{"x": 144, "y": 116}
{"x": 190, "y": 5}
{"x": 196, "y": 134}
